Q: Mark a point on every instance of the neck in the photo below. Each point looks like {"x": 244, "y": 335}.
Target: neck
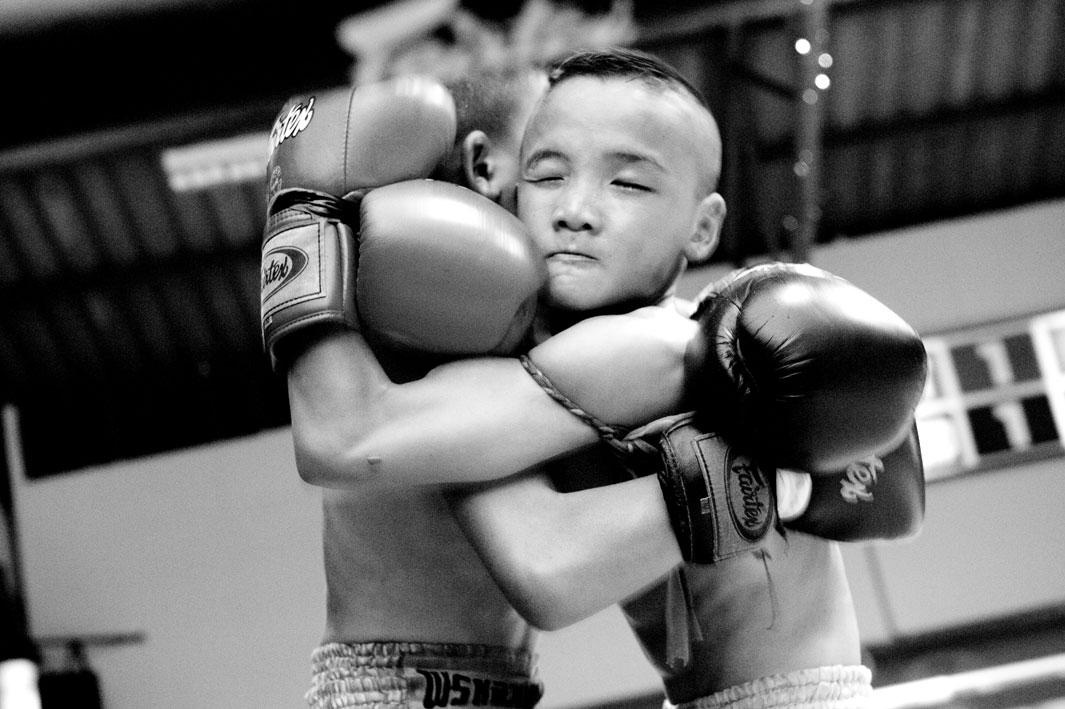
{"x": 554, "y": 320}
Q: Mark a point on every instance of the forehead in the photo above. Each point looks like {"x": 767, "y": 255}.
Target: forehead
{"x": 597, "y": 114}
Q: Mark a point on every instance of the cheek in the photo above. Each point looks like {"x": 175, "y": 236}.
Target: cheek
{"x": 653, "y": 235}
{"x": 656, "y": 267}
{"x": 531, "y": 205}
{"x": 654, "y": 255}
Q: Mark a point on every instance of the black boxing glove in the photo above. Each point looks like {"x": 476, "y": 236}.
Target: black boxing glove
{"x": 875, "y": 498}
{"x": 803, "y": 368}
{"x": 722, "y": 502}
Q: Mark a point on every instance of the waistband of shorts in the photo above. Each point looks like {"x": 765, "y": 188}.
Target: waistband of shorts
{"x": 832, "y": 687}
{"x": 488, "y": 659}
{"x": 413, "y": 675}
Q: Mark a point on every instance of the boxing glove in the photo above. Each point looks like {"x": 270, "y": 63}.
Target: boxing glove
{"x": 875, "y": 498}
{"x": 723, "y": 502}
{"x": 326, "y": 151}
{"x": 803, "y": 367}
{"x": 444, "y": 270}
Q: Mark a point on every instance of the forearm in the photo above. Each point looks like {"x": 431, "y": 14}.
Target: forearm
{"x": 466, "y": 421}
{"x": 483, "y": 418}
{"x": 561, "y": 557}
{"x": 623, "y": 369}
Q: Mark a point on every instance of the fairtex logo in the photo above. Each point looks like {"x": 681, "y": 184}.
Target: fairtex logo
{"x": 453, "y": 689}
{"x": 749, "y": 499}
{"x": 280, "y": 267}
{"x": 290, "y": 125}
{"x": 860, "y": 477}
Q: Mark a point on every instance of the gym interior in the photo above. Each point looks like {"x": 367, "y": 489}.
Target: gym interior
{"x": 160, "y": 549}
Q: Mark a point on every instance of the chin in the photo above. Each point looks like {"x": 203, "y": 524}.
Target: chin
{"x": 574, "y": 302}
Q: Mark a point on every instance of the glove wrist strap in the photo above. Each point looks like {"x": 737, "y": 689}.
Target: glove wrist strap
{"x": 308, "y": 277}
{"x": 720, "y": 502}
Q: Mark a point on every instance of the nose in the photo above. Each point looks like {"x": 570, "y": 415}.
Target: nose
{"x": 577, "y": 209}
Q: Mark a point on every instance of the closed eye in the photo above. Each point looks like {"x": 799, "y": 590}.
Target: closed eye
{"x": 542, "y": 179}
{"x": 635, "y": 186}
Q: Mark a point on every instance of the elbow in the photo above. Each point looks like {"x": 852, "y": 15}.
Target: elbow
{"x": 311, "y": 468}
{"x": 543, "y": 597}
{"x": 544, "y": 612}
{"x": 326, "y": 459}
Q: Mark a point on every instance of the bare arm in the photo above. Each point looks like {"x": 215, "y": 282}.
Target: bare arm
{"x": 464, "y": 421}
{"x": 560, "y": 557}
{"x": 477, "y": 419}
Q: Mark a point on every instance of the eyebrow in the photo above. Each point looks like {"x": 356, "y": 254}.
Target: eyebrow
{"x": 641, "y": 158}
{"x": 622, "y": 156}
{"x": 541, "y": 155}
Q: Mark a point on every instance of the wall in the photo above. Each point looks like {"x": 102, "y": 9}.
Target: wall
{"x": 213, "y": 553}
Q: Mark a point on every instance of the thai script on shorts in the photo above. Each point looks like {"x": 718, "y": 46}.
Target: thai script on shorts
{"x": 454, "y": 689}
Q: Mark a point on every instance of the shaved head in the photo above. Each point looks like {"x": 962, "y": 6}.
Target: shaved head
{"x": 632, "y": 65}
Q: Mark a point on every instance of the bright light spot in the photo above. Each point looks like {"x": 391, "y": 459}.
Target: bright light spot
{"x": 824, "y": 60}
{"x": 802, "y": 45}
{"x": 822, "y": 81}
{"x": 794, "y": 295}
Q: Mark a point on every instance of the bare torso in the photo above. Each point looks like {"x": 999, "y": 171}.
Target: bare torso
{"x": 785, "y": 610}
{"x": 789, "y": 610}
{"x": 398, "y": 567}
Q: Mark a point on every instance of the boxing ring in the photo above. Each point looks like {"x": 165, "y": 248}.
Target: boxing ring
{"x": 975, "y": 686}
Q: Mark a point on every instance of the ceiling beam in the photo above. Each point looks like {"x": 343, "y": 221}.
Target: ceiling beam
{"x": 722, "y": 15}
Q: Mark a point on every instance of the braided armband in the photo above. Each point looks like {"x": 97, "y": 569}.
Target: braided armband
{"x": 720, "y": 502}
{"x": 638, "y": 457}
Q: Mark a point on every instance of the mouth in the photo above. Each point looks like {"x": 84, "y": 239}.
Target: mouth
{"x": 569, "y": 256}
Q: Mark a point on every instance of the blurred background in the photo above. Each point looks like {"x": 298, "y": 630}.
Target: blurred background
{"x": 156, "y": 533}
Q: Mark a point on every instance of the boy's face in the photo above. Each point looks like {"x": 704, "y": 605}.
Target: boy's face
{"x": 614, "y": 186}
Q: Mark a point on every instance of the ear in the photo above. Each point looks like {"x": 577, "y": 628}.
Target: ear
{"x": 709, "y": 216}
{"x": 477, "y": 166}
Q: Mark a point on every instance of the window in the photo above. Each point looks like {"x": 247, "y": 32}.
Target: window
{"x": 995, "y": 396}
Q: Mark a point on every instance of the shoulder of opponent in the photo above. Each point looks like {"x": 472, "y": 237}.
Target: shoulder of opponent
{"x": 667, "y": 307}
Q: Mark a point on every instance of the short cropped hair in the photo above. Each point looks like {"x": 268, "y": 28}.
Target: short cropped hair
{"x": 625, "y": 64}
{"x": 621, "y": 63}
{"x": 487, "y": 100}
